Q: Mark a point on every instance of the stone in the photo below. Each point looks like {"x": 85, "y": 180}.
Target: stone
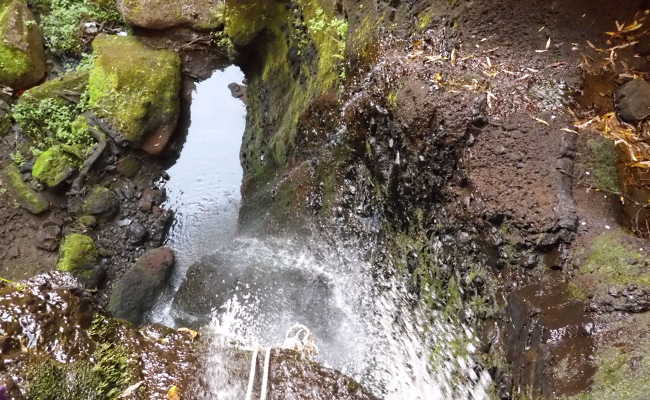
{"x": 100, "y": 201}
{"x": 5, "y": 118}
{"x": 633, "y": 101}
{"x": 135, "y": 293}
{"x": 78, "y": 255}
{"x": 135, "y": 90}
{"x": 128, "y": 166}
{"x": 149, "y": 199}
{"x": 48, "y": 235}
{"x": 53, "y": 166}
{"x": 163, "y": 14}
{"x": 22, "y": 57}
{"x": 27, "y": 198}
{"x": 137, "y": 233}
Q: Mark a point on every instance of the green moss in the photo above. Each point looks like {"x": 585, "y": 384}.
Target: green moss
{"x": 55, "y": 165}
{"x": 134, "y": 87}
{"x": 88, "y": 221}
{"x": 18, "y": 53}
{"x": 617, "y": 379}
{"x": 602, "y": 165}
{"x": 77, "y": 254}
{"x": 104, "y": 379}
{"x": 29, "y": 199}
{"x": 244, "y": 19}
{"x": 612, "y": 262}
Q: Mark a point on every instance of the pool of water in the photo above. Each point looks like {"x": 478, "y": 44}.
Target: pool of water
{"x": 204, "y": 185}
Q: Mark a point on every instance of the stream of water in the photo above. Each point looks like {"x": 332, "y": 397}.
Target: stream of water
{"x": 367, "y": 329}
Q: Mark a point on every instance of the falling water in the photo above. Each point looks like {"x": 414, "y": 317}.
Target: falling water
{"x": 370, "y": 329}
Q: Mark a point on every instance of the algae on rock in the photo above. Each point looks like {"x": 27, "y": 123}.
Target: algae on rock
{"x": 55, "y": 165}
{"x": 135, "y": 89}
{"x": 22, "y": 59}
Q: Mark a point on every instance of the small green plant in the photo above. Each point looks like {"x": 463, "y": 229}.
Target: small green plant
{"x": 62, "y": 21}
{"x": 18, "y": 158}
{"x": 50, "y": 121}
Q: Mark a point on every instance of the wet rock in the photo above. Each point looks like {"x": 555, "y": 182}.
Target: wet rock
{"x": 162, "y": 14}
{"x": 27, "y": 197}
{"x": 54, "y": 166}
{"x": 21, "y": 47}
{"x": 238, "y": 91}
{"x": 48, "y": 235}
{"x": 149, "y": 199}
{"x": 135, "y": 90}
{"x": 137, "y": 233}
{"x": 209, "y": 284}
{"x": 5, "y": 118}
{"x": 633, "y": 101}
{"x": 128, "y": 166}
{"x": 100, "y": 201}
{"x": 136, "y": 292}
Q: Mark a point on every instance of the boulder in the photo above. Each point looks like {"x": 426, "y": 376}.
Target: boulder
{"x": 78, "y": 255}
{"x": 53, "y": 166}
{"x": 135, "y": 90}
{"x": 22, "y": 59}
{"x": 163, "y": 14}
{"x": 27, "y": 197}
{"x": 633, "y": 101}
{"x": 100, "y": 201}
{"x": 136, "y": 292}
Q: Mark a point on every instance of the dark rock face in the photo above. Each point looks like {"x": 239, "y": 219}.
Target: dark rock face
{"x": 135, "y": 293}
{"x": 633, "y": 101}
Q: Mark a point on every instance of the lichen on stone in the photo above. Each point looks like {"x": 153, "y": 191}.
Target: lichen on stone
{"x": 77, "y": 254}
{"x": 134, "y": 88}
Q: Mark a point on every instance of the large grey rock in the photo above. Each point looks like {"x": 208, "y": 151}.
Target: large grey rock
{"x": 633, "y": 101}
{"x": 137, "y": 291}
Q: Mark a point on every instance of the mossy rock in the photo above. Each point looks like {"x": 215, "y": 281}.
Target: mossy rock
{"x": 163, "y": 14}
{"x": 22, "y": 59}
{"x": 27, "y": 197}
{"x": 55, "y": 165}
{"x": 136, "y": 90}
{"x": 244, "y": 19}
{"x": 77, "y": 255}
{"x": 100, "y": 201}
{"x": 128, "y": 166}
{"x": 72, "y": 83}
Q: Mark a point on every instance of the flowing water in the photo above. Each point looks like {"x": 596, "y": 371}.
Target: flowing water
{"x": 369, "y": 329}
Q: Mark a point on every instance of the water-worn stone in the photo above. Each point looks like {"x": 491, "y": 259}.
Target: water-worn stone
{"x": 100, "y": 201}
{"x": 137, "y": 233}
{"x": 22, "y": 59}
{"x": 150, "y": 198}
{"x": 27, "y": 197}
{"x": 136, "y": 292}
{"x": 128, "y": 166}
{"x": 48, "y": 235}
{"x": 163, "y": 14}
{"x": 135, "y": 90}
{"x": 633, "y": 101}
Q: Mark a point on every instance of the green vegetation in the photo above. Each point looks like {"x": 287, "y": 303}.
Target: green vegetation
{"x": 29, "y": 199}
{"x": 77, "y": 254}
{"x": 62, "y": 21}
{"x": 50, "y": 121}
{"x": 617, "y": 378}
{"x": 602, "y": 165}
{"x": 104, "y": 379}
{"x": 612, "y": 262}
{"x": 134, "y": 87}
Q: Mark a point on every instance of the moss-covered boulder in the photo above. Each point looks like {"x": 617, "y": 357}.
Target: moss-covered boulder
{"x": 71, "y": 84}
{"x": 163, "y": 14}
{"x": 27, "y": 197}
{"x": 55, "y": 165}
{"x": 77, "y": 255}
{"x": 100, "y": 201}
{"x": 135, "y": 89}
{"x": 22, "y": 59}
